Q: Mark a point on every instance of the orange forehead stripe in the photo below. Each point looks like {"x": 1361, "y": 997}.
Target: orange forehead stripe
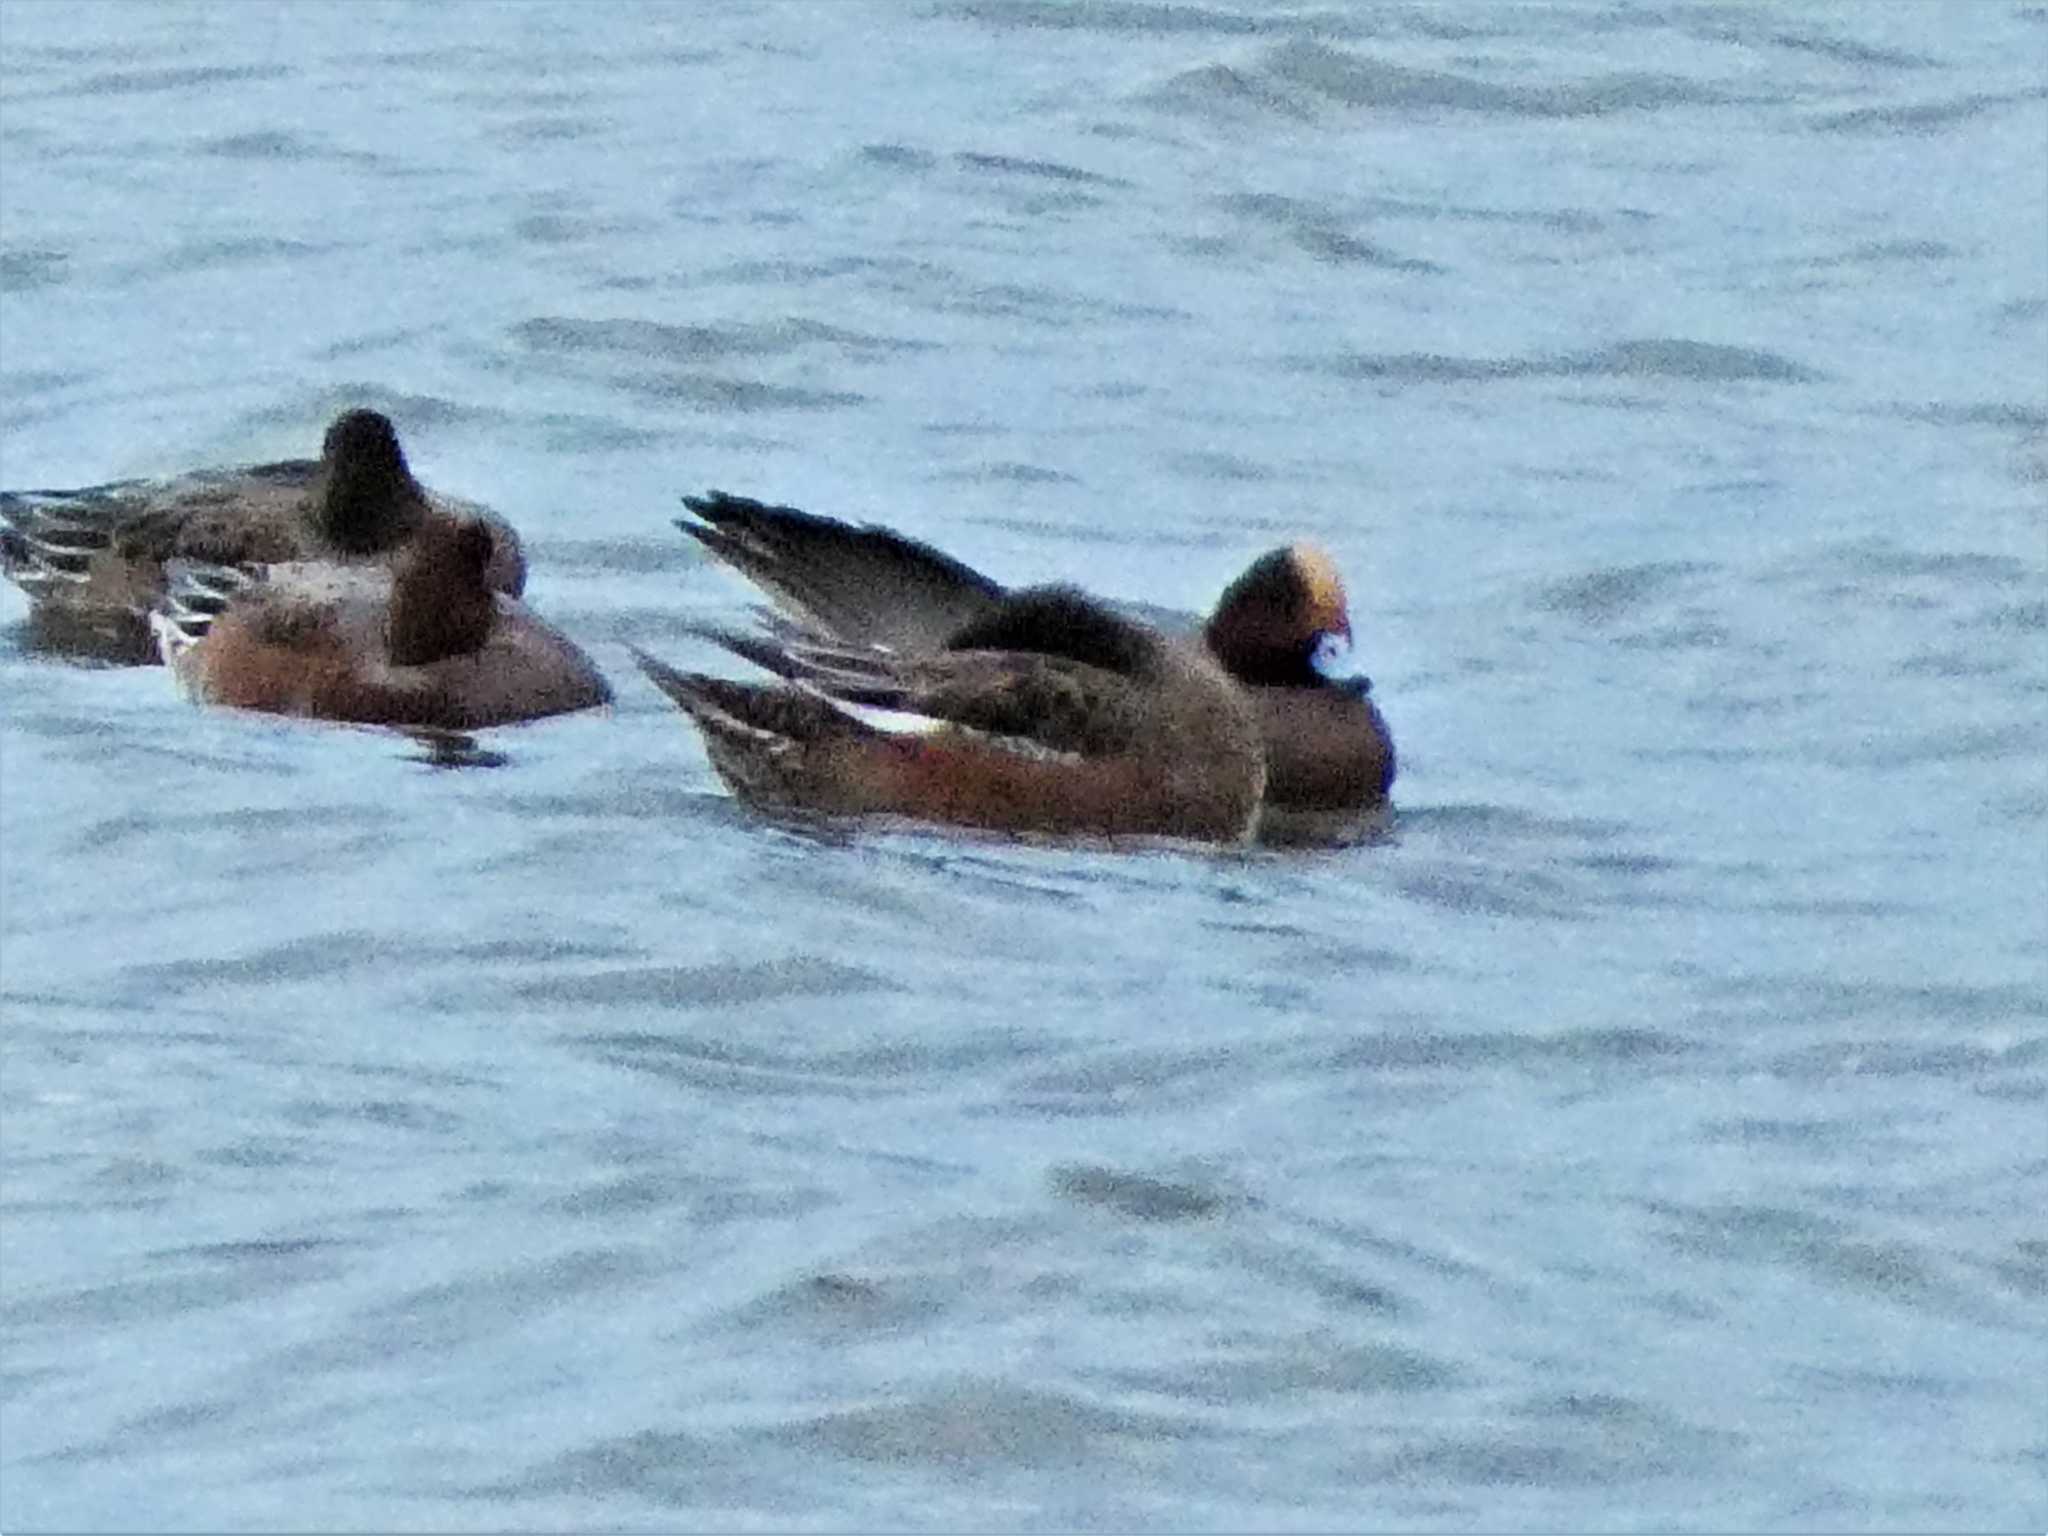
{"x": 1328, "y": 608}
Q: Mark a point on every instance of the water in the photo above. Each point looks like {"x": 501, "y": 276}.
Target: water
{"x": 1650, "y": 1133}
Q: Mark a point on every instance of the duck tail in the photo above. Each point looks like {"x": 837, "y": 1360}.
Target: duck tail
{"x": 777, "y": 747}
{"x": 852, "y": 674}
{"x": 195, "y": 594}
{"x": 48, "y": 538}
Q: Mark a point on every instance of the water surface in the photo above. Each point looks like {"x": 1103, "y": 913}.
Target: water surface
{"x": 1649, "y": 1133}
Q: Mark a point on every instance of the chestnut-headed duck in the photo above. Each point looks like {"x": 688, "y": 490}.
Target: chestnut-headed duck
{"x": 1279, "y": 629}
{"x": 1048, "y": 713}
{"x": 92, "y": 561}
{"x": 425, "y": 642}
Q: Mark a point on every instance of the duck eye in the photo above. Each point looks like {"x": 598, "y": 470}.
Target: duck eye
{"x": 1327, "y": 656}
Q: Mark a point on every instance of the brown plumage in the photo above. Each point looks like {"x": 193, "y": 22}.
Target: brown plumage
{"x": 93, "y": 561}
{"x": 425, "y": 643}
{"x": 441, "y": 601}
{"x": 1329, "y": 754}
{"x": 1048, "y": 714}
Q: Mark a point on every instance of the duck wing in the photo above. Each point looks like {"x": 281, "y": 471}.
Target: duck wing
{"x": 863, "y": 583}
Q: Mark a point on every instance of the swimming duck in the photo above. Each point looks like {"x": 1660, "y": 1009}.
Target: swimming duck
{"x": 92, "y": 560}
{"x": 1047, "y": 713}
{"x": 427, "y": 642}
{"x": 1280, "y": 628}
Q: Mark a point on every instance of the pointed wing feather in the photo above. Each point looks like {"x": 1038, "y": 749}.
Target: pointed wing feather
{"x": 865, "y": 584}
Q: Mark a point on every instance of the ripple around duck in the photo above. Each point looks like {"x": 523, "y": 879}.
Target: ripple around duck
{"x": 1284, "y": 1371}
{"x": 1217, "y": 467}
{"x": 1889, "y": 562}
{"x": 430, "y": 1320}
{"x": 267, "y": 144}
{"x": 1877, "y": 253}
{"x": 1809, "y": 1135}
{"x": 558, "y": 227}
{"x": 1126, "y": 1082}
{"x": 22, "y": 271}
{"x": 1826, "y": 1249}
{"x": 1144, "y": 18}
{"x": 722, "y": 1068}
{"x": 210, "y": 255}
{"x": 328, "y": 957}
{"x": 702, "y": 1205}
{"x": 181, "y": 1282}
{"x": 2013, "y": 1070}
{"x": 1664, "y": 358}
{"x": 1138, "y": 1195}
{"x": 1484, "y": 890}
{"x": 974, "y": 1422}
{"x": 839, "y": 1308}
{"x": 1318, "y": 231}
{"x": 1989, "y": 743}
{"x": 192, "y": 1423}
{"x": 899, "y": 157}
{"x": 1360, "y": 82}
{"x": 343, "y": 954}
{"x": 1223, "y": 94}
{"x": 1564, "y": 1440}
{"x": 1335, "y": 1273}
{"x": 724, "y": 393}
{"x": 1163, "y": 1082}
{"x": 672, "y": 1469}
{"x": 1823, "y": 999}
{"x": 1601, "y": 597}
{"x": 733, "y": 984}
{"x": 550, "y": 128}
{"x": 1920, "y": 117}
{"x": 308, "y": 411}
{"x": 1845, "y": 50}
{"x": 1039, "y": 170}
{"x": 1475, "y": 826}
{"x": 1005, "y": 471}
{"x": 2025, "y": 1268}
{"x": 657, "y": 341}
{"x": 1642, "y": 1048}
{"x": 143, "y": 82}
{"x": 911, "y": 1061}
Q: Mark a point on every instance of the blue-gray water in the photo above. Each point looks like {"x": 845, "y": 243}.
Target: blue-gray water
{"x": 1650, "y": 1134}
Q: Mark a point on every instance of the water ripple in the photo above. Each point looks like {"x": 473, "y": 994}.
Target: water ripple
{"x": 139, "y": 82}
{"x": 1923, "y": 117}
{"x": 1137, "y": 1195}
{"x": 1662, "y": 358}
{"x": 734, "y": 984}
{"x": 983, "y": 1423}
{"x": 1642, "y": 1129}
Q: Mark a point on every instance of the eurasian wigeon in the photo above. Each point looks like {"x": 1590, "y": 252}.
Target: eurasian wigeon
{"x": 1279, "y": 629}
{"x": 1048, "y": 713}
{"x": 92, "y": 561}
{"x": 427, "y": 642}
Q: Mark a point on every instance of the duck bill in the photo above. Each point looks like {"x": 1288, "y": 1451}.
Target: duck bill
{"x": 1329, "y": 657}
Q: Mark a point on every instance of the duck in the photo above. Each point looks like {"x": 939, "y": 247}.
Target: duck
{"x": 92, "y": 561}
{"x": 1282, "y": 629}
{"x": 426, "y": 643}
{"x": 1047, "y": 714}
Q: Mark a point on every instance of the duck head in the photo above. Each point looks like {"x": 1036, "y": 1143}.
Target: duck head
{"x": 441, "y": 602}
{"x": 365, "y": 499}
{"x": 1285, "y": 623}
